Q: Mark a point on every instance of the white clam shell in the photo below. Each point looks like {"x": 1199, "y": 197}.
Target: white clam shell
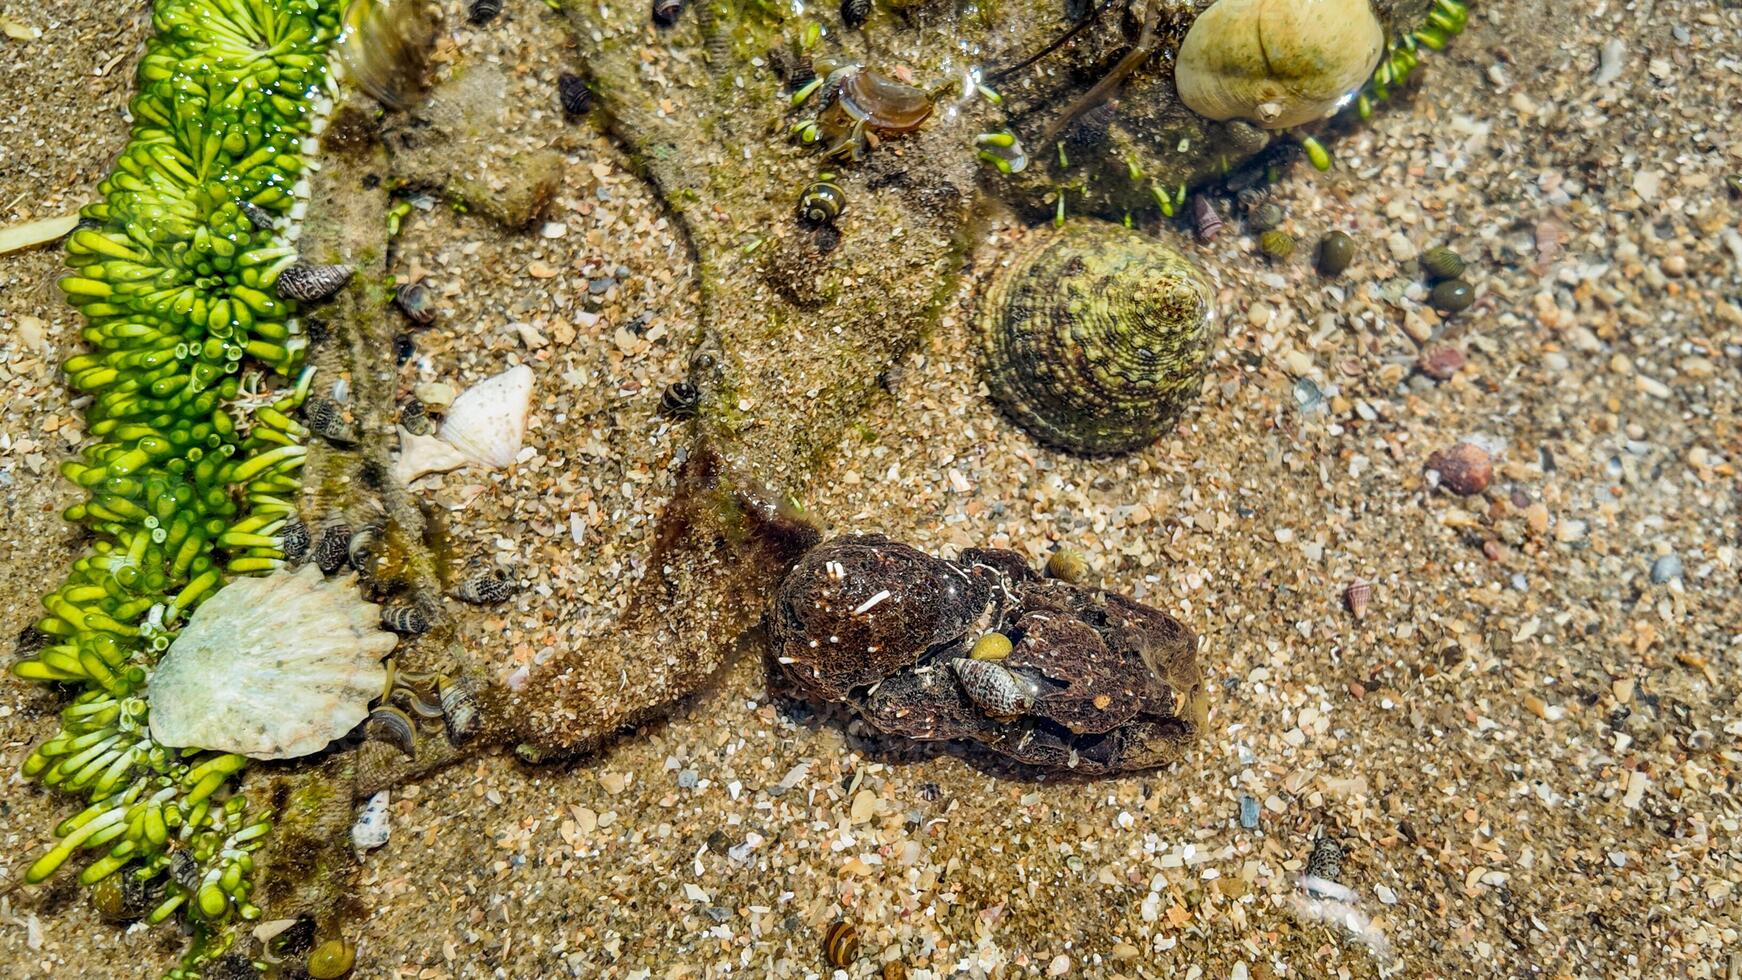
{"x": 487, "y": 423}
{"x": 1277, "y": 63}
{"x": 273, "y": 667}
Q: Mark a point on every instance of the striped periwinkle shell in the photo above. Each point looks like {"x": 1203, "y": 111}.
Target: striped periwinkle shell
{"x": 1096, "y": 339}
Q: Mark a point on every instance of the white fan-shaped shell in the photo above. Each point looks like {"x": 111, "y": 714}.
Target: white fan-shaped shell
{"x": 1277, "y": 63}
{"x": 488, "y": 421}
{"x": 272, "y": 667}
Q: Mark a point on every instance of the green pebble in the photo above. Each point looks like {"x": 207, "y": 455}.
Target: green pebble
{"x": 1336, "y": 251}
{"x": 1441, "y": 263}
{"x": 1452, "y": 296}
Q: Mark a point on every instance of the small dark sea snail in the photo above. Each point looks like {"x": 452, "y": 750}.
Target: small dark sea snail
{"x": 293, "y": 540}
{"x": 416, "y": 302}
{"x": 822, "y": 202}
{"x": 332, "y": 547}
{"x": 480, "y": 12}
{"x": 312, "y": 283}
{"x": 488, "y": 587}
{"x": 854, "y": 13}
{"x": 573, "y": 93}
{"x": 680, "y": 400}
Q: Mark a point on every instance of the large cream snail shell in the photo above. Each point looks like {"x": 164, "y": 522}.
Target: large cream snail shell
{"x": 1277, "y": 63}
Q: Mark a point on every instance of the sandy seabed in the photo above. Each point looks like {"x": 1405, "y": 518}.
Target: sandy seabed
{"x": 1527, "y": 746}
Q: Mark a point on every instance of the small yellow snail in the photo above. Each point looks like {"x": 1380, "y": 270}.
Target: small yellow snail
{"x": 1277, "y": 63}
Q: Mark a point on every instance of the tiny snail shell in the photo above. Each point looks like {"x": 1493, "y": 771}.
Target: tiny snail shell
{"x": 459, "y": 708}
{"x": 1452, "y": 296}
{"x": 416, "y": 302}
{"x": 1069, "y": 565}
{"x": 1357, "y": 595}
{"x": 1441, "y": 263}
{"x": 991, "y": 647}
{"x": 486, "y": 588}
{"x": 1336, "y": 251}
{"x": 184, "y": 870}
{"x": 312, "y": 283}
{"x": 393, "y": 726}
{"x": 481, "y": 12}
{"x": 1326, "y": 860}
{"x": 364, "y": 548}
{"x": 406, "y": 620}
{"x": 1265, "y": 216}
{"x": 855, "y": 12}
{"x": 680, "y": 400}
{"x": 293, "y": 539}
{"x": 414, "y": 417}
{"x": 30, "y": 639}
{"x": 1278, "y": 63}
{"x": 997, "y": 690}
{"x": 1205, "y": 220}
{"x": 666, "y": 11}
{"x": 841, "y": 945}
{"x": 327, "y": 420}
{"x": 822, "y": 202}
{"x": 332, "y": 959}
{"x": 894, "y": 970}
{"x": 803, "y": 71}
{"x": 574, "y": 95}
{"x": 332, "y": 547}
{"x": 1248, "y": 199}
{"x": 124, "y": 897}
{"x": 1278, "y": 245}
{"x": 257, "y": 216}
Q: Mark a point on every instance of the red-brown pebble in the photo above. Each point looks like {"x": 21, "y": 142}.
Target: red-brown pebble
{"x": 1442, "y": 362}
{"x": 1464, "y": 469}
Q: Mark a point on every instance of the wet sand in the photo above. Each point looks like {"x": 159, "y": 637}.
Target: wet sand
{"x": 1527, "y": 746}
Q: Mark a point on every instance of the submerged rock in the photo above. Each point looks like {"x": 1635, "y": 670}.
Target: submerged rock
{"x": 1093, "y": 681}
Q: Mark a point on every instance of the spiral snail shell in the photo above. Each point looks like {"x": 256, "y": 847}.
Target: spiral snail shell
{"x": 312, "y": 283}
{"x": 822, "y": 203}
{"x": 1095, "y": 339}
{"x": 1277, "y": 63}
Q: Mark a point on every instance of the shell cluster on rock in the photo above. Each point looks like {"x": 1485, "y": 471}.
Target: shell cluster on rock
{"x": 273, "y": 667}
{"x": 1094, "y": 682}
{"x": 1277, "y": 63}
{"x": 1095, "y": 339}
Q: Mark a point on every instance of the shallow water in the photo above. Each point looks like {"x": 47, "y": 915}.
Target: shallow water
{"x": 1507, "y": 742}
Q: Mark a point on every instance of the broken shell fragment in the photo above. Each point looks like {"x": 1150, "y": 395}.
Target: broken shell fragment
{"x": 487, "y": 423}
{"x": 273, "y": 667}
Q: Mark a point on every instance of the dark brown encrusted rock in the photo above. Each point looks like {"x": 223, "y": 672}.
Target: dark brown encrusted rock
{"x": 1093, "y": 682}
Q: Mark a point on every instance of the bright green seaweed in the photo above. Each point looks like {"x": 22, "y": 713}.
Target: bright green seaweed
{"x": 193, "y": 467}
